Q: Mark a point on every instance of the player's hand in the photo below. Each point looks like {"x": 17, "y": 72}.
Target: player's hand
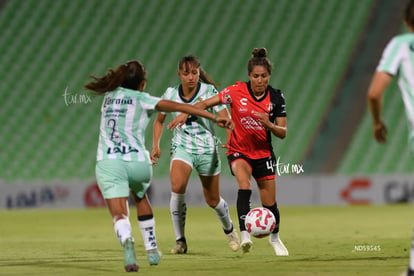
{"x": 224, "y": 122}
{"x": 263, "y": 118}
{"x": 225, "y": 146}
{"x": 155, "y": 155}
{"x": 178, "y": 121}
{"x": 380, "y": 132}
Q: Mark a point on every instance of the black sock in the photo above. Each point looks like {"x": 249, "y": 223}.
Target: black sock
{"x": 182, "y": 240}
{"x": 276, "y": 213}
{"x": 243, "y": 206}
{"x": 145, "y": 217}
{"x": 228, "y": 231}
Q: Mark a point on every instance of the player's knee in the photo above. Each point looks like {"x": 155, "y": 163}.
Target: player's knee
{"x": 178, "y": 188}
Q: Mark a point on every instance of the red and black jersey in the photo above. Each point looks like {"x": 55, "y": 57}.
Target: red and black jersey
{"x": 249, "y": 136}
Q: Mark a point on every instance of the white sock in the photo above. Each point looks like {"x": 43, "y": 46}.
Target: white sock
{"x": 412, "y": 252}
{"x": 222, "y": 212}
{"x": 244, "y": 235}
{"x": 122, "y": 229}
{"x": 148, "y": 233}
{"x": 178, "y": 210}
{"x": 274, "y": 237}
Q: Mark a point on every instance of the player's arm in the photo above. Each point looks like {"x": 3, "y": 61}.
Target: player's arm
{"x": 225, "y": 113}
{"x": 278, "y": 128}
{"x": 182, "y": 118}
{"x": 170, "y": 106}
{"x": 210, "y": 102}
{"x": 379, "y": 83}
{"x": 157, "y": 129}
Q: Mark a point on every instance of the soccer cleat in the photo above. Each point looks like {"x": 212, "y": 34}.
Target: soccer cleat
{"x": 130, "y": 260}
{"x": 233, "y": 240}
{"x": 180, "y": 248}
{"x": 278, "y": 246}
{"x": 246, "y": 245}
{"x": 153, "y": 256}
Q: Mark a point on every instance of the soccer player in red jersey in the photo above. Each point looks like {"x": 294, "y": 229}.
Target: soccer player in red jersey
{"x": 258, "y": 112}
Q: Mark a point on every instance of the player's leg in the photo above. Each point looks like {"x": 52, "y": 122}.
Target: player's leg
{"x": 410, "y": 270}
{"x": 118, "y": 207}
{"x": 267, "y": 191}
{"x": 242, "y": 171}
{"x": 113, "y": 182}
{"x": 180, "y": 172}
{"x": 208, "y": 167}
{"x": 140, "y": 176}
{"x": 214, "y": 200}
{"x": 146, "y": 223}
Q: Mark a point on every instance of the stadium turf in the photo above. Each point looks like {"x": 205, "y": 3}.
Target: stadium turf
{"x": 340, "y": 240}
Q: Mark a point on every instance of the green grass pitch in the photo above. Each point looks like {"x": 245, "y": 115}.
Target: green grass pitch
{"x": 325, "y": 240}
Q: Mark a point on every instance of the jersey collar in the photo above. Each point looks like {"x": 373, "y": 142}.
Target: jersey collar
{"x": 180, "y": 93}
{"x": 252, "y": 95}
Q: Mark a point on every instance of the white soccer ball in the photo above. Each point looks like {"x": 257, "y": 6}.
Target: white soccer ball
{"x": 260, "y": 222}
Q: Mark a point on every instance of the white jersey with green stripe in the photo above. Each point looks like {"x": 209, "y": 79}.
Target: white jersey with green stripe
{"x": 398, "y": 59}
{"x": 125, "y": 116}
{"x": 197, "y": 135}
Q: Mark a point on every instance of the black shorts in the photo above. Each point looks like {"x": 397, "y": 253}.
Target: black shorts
{"x": 263, "y": 168}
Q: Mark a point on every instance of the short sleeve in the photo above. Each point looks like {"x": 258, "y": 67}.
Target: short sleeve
{"x": 148, "y": 102}
{"x": 225, "y": 95}
{"x": 391, "y": 58}
{"x": 281, "y": 106}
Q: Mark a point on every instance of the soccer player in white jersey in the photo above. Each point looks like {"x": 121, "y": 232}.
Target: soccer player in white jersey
{"x": 123, "y": 164}
{"x": 397, "y": 60}
{"x": 194, "y": 146}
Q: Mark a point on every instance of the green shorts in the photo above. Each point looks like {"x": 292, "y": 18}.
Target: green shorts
{"x": 204, "y": 164}
{"x": 116, "y": 177}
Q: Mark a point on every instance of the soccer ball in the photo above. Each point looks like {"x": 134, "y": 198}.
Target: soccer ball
{"x": 260, "y": 222}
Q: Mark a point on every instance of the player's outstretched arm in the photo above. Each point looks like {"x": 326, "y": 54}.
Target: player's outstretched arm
{"x": 170, "y": 106}
{"x": 180, "y": 119}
